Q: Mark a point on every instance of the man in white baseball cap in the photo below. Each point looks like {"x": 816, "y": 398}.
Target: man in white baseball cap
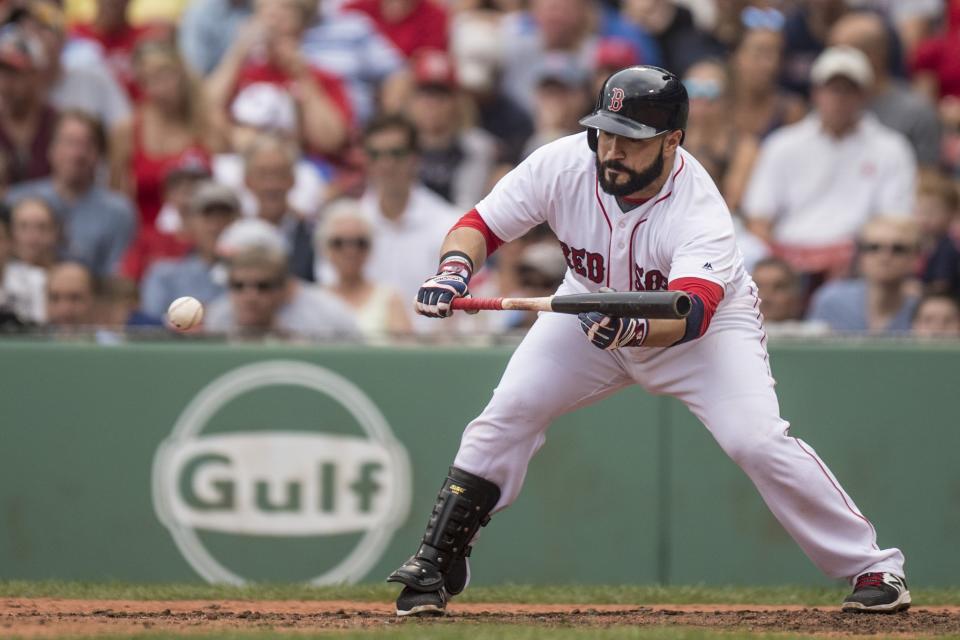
{"x": 818, "y": 181}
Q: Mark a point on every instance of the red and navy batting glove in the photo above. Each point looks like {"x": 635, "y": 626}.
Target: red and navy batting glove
{"x": 437, "y": 293}
{"x": 608, "y": 333}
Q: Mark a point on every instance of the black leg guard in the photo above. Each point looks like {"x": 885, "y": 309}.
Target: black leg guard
{"x": 462, "y": 507}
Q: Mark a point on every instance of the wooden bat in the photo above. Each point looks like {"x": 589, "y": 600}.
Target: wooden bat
{"x": 663, "y": 305}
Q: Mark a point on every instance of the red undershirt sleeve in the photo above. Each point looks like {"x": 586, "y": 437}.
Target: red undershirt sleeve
{"x": 473, "y": 220}
{"x": 705, "y": 296}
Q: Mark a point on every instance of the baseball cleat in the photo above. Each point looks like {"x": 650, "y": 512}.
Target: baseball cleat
{"x": 878, "y": 593}
{"x": 411, "y": 602}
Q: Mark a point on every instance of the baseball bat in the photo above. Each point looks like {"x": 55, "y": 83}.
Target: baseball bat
{"x": 663, "y": 305}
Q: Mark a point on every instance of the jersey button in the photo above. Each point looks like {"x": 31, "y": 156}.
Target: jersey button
{"x": 622, "y": 225}
{"x": 621, "y": 245}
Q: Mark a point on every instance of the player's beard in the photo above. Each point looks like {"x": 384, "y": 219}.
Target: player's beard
{"x": 636, "y": 180}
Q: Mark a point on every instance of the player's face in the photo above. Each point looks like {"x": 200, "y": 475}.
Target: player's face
{"x": 627, "y": 166}
{"x": 937, "y": 318}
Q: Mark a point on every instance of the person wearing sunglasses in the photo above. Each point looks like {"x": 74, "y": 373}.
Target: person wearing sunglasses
{"x": 345, "y": 238}
{"x": 212, "y": 208}
{"x": 712, "y": 137}
{"x": 409, "y": 220}
{"x": 816, "y": 183}
{"x": 880, "y": 301}
{"x": 758, "y": 105}
{"x": 265, "y": 300}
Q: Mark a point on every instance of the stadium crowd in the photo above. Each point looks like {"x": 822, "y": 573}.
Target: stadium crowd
{"x": 295, "y": 164}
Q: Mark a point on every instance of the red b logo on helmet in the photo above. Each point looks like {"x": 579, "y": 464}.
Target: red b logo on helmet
{"x": 616, "y": 99}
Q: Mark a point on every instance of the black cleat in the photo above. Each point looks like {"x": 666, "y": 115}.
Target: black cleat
{"x": 878, "y": 593}
{"x": 411, "y": 602}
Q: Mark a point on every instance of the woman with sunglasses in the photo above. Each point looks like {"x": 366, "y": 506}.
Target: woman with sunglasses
{"x": 345, "y": 239}
{"x": 725, "y": 152}
{"x": 757, "y": 103}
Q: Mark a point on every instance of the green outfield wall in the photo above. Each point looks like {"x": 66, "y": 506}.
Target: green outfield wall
{"x": 191, "y": 462}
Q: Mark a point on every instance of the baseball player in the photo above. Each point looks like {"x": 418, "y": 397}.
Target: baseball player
{"x": 634, "y": 212}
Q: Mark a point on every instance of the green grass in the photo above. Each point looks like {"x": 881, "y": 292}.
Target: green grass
{"x": 498, "y": 632}
{"x": 570, "y": 594}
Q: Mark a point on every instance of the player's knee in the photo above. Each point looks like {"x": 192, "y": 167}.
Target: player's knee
{"x": 753, "y": 452}
{"x": 520, "y": 407}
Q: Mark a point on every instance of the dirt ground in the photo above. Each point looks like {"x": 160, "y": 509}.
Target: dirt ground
{"x": 40, "y": 617}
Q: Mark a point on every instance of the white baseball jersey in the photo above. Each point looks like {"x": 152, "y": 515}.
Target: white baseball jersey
{"x": 723, "y": 376}
{"x": 685, "y": 231}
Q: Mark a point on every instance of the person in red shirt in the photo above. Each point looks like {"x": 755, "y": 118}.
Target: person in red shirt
{"x": 936, "y": 72}
{"x": 268, "y": 52}
{"x": 411, "y": 25}
{"x": 169, "y": 123}
{"x": 112, "y": 30}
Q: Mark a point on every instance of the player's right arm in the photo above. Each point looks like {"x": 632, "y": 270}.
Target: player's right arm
{"x": 515, "y": 205}
{"x": 463, "y": 252}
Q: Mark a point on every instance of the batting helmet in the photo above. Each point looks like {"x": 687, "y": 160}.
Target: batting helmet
{"x": 638, "y": 102}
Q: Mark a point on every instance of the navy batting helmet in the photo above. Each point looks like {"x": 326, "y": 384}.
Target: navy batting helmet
{"x": 638, "y": 102}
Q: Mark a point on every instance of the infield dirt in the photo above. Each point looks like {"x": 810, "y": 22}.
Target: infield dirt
{"x": 46, "y": 617}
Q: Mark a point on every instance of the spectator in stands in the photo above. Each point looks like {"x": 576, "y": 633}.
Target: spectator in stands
{"x": 805, "y": 35}
{"x": 672, "y": 25}
{"x": 712, "y": 136}
{"x": 891, "y": 101}
{"x": 780, "y": 291}
{"x": 113, "y": 33}
{"x": 70, "y": 297}
{"x": 118, "y": 305}
{"x": 22, "y": 286}
{"x": 411, "y": 25}
{"x": 561, "y": 98}
{"x": 611, "y": 55}
{"x": 456, "y": 161}
{"x": 758, "y": 104}
{"x": 816, "y": 182}
{"x": 572, "y": 27}
{"x": 345, "y": 237}
{"x": 879, "y": 301}
{"x": 167, "y": 240}
{"x": 349, "y": 46}
{"x": 26, "y": 118}
{"x": 264, "y": 300}
{"x": 937, "y": 316}
{"x": 936, "y": 72}
{"x": 269, "y": 110}
{"x": 212, "y": 209}
{"x": 479, "y": 55}
{"x": 35, "y": 233}
{"x": 207, "y": 30}
{"x": 98, "y": 223}
{"x": 268, "y": 53}
{"x": 409, "y": 220}
{"x": 539, "y": 272}
{"x": 269, "y": 163}
{"x": 936, "y": 61}
{"x": 938, "y": 203}
{"x": 911, "y": 20}
{"x": 76, "y": 82}
{"x": 169, "y": 126}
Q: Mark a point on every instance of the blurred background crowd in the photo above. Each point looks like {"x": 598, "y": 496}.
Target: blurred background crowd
{"x": 295, "y": 164}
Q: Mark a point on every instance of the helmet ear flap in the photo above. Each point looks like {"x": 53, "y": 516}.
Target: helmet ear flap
{"x": 592, "y": 136}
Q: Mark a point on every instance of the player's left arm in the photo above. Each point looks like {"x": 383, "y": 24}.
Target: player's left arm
{"x": 607, "y": 332}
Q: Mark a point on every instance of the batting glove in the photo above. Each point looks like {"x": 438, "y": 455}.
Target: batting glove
{"x": 437, "y": 293}
{"x": 608, "y": 333}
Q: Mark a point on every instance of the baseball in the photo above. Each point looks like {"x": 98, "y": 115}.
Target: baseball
{"x": 185, "y": 313}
